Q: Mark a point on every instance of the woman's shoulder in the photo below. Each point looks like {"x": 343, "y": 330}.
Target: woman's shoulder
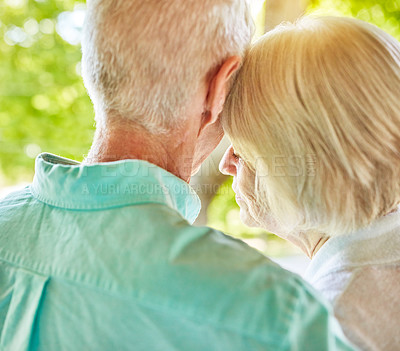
{"x": 369, "y": 301}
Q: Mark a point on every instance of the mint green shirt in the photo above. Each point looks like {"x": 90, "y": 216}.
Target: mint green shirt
{"x": 104, "y": 257}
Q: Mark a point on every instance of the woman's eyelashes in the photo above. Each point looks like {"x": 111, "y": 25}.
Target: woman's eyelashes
{"x": 235, "y": 155}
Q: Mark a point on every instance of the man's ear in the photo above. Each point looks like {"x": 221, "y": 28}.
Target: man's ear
{"x": 218, "y": 90}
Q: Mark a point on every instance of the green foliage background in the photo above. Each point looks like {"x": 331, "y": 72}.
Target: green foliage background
{"x": 44, "y": 105}
{"x": 383, "y": 13}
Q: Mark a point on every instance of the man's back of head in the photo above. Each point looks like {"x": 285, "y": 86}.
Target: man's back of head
{"x": 144, "y": 59}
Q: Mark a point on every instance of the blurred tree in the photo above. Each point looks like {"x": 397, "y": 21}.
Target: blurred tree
{"x": 383, "y": 13}
{"x": 43, "y": 104}
{"x": 277, "y": 11}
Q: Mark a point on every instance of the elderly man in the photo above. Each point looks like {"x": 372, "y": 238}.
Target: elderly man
{"x": 102, "y": 255}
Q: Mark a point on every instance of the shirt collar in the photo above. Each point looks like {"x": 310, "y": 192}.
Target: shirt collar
{"x": 69, "y": 184}
{"x": 375, "y": 244}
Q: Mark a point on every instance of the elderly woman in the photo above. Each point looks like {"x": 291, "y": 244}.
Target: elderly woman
{"x": 314, "y": 121}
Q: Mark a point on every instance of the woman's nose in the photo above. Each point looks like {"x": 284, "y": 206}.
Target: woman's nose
{"x": 227, "y": 165}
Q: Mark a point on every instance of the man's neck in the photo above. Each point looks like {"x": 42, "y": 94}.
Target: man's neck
{"x": 168, "y": 151}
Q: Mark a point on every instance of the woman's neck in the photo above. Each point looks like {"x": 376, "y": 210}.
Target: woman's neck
{"x": 309, "y": 242}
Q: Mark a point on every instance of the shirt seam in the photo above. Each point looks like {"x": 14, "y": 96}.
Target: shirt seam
{"x": 109, "y": 207}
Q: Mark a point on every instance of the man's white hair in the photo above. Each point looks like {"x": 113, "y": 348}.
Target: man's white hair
{"x": 144, "y": 59}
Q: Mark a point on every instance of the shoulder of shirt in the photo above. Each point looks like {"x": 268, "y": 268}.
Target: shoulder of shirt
{"x": 182, "y": 242}
{"x": 170, "y": 265}
{"x": 175, "y": 243}
{"x": 169, "y": 248}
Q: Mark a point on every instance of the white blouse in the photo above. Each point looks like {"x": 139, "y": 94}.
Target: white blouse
{"x": 360, "y": 274}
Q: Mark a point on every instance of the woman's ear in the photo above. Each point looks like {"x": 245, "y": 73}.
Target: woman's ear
{"x": 218, "y": 90}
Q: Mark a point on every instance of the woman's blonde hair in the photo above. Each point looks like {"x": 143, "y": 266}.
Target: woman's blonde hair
{"x": 315, "y": 112}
